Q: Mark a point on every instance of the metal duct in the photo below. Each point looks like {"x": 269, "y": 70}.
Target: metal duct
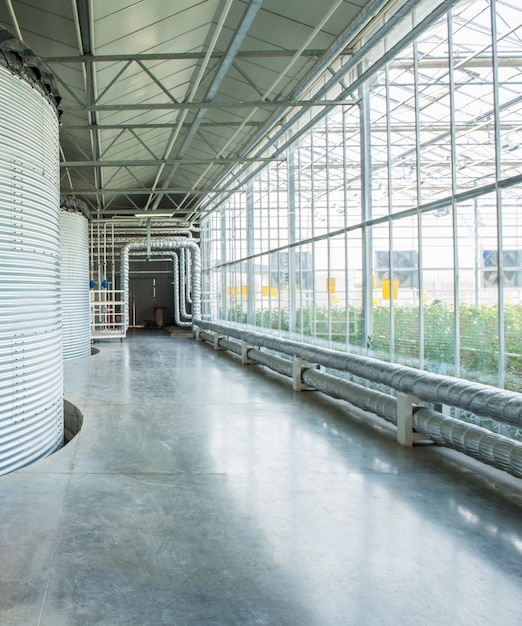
{"x": 481, "y": 444}
{"x": 376, "y": 402}
{"x": 371, "y": 400}
{"x": 489, "y": 448}
{"x": 167, "y": 245}
{"x": 31, "y": 358}
{"x": 175, "y": 282}
{"x": 504, "y": 406}
{"x": 177, "y": 292}
{"x": 74, "y": 280}
{"x": 183, "y": 285}
{"x": 188, "y": 272}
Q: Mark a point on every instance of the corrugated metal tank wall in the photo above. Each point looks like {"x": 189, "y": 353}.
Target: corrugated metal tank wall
{"x": 74, "y": 229}
{"x": 31, "y": 360}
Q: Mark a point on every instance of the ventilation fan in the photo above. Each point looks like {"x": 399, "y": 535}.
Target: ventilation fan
{"x": 404, "y": 266}
{"x": 511, "y": 267}
{"x": 303, "y": 269}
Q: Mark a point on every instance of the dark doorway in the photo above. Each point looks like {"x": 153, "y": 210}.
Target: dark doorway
{"x": 150, "y": 289}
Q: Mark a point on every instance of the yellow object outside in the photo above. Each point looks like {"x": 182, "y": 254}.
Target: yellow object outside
{"x": 265, "y": 291}
{"x": 244, "y": 290}
{"x": 330, "y": 285}
{"x": 386, "y": 288}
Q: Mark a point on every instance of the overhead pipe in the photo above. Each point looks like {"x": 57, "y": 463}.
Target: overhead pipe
{"x": 165, "y": 245}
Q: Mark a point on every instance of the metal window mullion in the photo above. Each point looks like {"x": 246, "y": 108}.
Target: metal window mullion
{"x": 250, "y": 252}
{"x": 366, "y": 215}
{"x": 390, "y": 211}
{"x": 498, "y": 192}
{"x": 345, "y": 224}
{"x": 329, "y": 240}
{"x": 292, "y": 261}
{"x": 456, "y": 273}
{"x": 224, "y": 256}
{"x": 419, "y": 202}
{"x": 312, "y": 230}
{"x": 296, "y": 175}
{"x": 282, "y": 227}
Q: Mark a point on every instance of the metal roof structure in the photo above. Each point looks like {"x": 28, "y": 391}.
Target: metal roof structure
{"x": 160, "y": 99}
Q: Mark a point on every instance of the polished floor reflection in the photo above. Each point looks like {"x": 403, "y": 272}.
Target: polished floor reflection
{"x": 201, "y": 491}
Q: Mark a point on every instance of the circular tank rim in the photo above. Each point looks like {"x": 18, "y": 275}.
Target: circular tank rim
{"x": 74, "y": 205}
{"x": 20, "y": 60}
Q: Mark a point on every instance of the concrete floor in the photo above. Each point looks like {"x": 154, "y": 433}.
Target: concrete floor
{"x": 200, "y": 491}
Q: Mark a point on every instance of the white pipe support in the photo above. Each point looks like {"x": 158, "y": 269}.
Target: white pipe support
{"x": 197, "y": 333}
{"x": 298, "y": 365}
{"x": 217, "y": 338}
{"x": 245, "y": 347}
{"x": 406, "y": 436}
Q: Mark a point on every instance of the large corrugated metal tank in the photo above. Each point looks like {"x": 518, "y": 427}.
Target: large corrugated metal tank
{"x": 74, "y": 234}
{"x": 31, "y": 360}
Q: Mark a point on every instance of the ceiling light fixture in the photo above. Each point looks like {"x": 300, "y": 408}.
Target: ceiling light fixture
{"x": 153, "y": 214}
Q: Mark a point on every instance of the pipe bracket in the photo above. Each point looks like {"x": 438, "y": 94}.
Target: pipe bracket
{"x": 298, "y": 365}
{"x": 406, "y": 436}
{"x": 245, "y": 347}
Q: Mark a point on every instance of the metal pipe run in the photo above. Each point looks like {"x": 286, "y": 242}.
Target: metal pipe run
{"x": 183, "y": 280}
{"x": 489, "y": 448}
{"x": 170, "y": 245}
{"x": 177, "y": 292}
{"x": 479, "y": 443}
{"x": 482, "y": 400}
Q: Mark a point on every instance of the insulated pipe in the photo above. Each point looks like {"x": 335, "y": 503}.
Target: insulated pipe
{"x": 177, "y": 291}
{"x": 166, "y": 245}
{"x": 188, "y": 269}
{"x": 379, "y": 403}
{"x": 481, "y": 444}
{"x": 504, "y": 406}
{"x": 489, "y": 448}
{"x": 183, "y": 285}
{"x": 175, "y": 283}
{"x": 376, "y": 402}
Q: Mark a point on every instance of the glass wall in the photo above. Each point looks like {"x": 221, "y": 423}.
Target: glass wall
{"x": 391, "y": 226}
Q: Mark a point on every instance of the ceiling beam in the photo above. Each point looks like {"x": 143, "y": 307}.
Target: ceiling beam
{"x": 182, "y": 56}
{"x": 155, "y": 162}
{"x": 141, "y": 192}
{"x": 243, "y": 104}
{"x": 152, "y": 125}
